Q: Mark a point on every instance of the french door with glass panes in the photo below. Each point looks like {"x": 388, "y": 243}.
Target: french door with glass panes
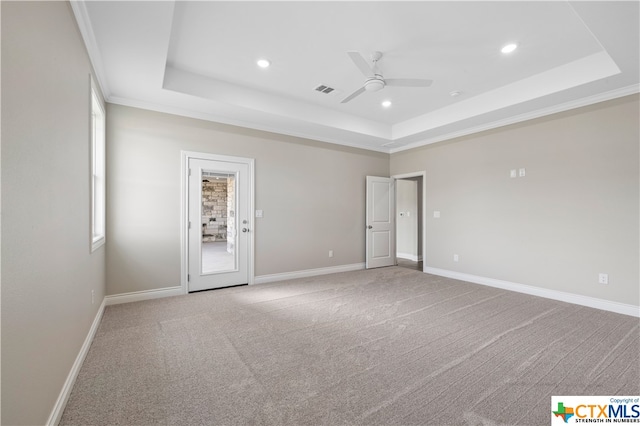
{"x": 219, "y": 223}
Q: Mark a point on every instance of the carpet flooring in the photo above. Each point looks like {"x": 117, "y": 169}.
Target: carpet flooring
{"x": 390, "y": 346}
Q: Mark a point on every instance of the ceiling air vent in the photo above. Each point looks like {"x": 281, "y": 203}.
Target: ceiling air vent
{"x": 324, "y": 89}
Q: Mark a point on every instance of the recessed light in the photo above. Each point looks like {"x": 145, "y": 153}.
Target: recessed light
{"x": 509, "y": 48}
{"x": 455, "y": 93}
{"x": 263, "y": 63}
{"x": 386, "y": 104}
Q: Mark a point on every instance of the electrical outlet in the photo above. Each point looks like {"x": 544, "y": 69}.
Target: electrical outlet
{"x": 330, "y": 253}
{"x": 456, "y": 258}
{"x": 522, "y": 172}
{"x": 513, "y": 173}
{"x": 93, "y": 297}
{"x": 603, "y": 278}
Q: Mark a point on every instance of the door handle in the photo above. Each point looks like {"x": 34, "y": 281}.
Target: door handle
{"x": 245, "y": 229}
{"x": 369, "y": 227}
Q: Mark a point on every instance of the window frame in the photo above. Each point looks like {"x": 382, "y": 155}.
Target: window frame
{"x": 98, "y": 169}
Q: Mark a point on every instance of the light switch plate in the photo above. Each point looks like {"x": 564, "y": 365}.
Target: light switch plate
{"x": 258, "y": 213}
{"x": 436, "y": 214}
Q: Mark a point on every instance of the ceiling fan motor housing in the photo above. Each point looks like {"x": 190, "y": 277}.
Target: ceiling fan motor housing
{"x": 374, "y": 84}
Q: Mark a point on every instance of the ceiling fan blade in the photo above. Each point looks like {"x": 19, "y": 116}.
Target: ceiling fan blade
{"x": 353, "y": 95}
{"x": 408, "y": 82}
{"x": 361, "y": 63}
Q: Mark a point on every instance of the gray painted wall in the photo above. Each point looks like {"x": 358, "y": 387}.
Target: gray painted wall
{"x": 47, "y": 269}
{"x": 312, "y": 195}
{"x": 574, "y": 215}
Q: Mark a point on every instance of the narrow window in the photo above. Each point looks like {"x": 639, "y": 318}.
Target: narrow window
{"x": 97, "y": 172}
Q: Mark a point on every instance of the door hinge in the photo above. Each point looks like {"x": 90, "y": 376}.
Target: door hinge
{"x": 189, "y": 172}
{"x": 189, "y": 224}
{"x": 188, "y": 277}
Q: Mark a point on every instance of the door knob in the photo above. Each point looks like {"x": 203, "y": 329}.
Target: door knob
{"x": 369, "y": 227}
{"x": 245, "y": 229}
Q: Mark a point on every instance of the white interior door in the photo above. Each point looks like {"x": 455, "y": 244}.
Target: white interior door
{"x": 219, "y": 224}
{"x": 381, "y": 240}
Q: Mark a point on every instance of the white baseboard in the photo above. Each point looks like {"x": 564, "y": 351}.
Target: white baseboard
{"x": 262, "y": 279}
{"x": 409, "y": 256}
{"x": 592, "y": 302}
{"x": 61, "y": 402}
{"x": 137, "y": 296}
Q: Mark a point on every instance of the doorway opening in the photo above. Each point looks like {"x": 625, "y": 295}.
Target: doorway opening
{"x": 410, "y": 232}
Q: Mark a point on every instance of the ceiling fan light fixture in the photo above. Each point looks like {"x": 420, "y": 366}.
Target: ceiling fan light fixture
{"x": 263, "y": 63}
{"x": 386, "y": 104}
{"x": 374, "y": 85}
{"x": 509, "y": 48}
{"x": 374, "y": 80}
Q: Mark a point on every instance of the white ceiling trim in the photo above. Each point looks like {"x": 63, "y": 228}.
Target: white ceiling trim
{"x": 79, "y": 9}
{"x": 589, "y": 100}
{"x": 220, "y": 91}
{"x": 576, "y": 73}
{"x": 157, "y": 107}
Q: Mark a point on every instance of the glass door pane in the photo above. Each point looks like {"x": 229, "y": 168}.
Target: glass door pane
{"x": 218, "y": 211}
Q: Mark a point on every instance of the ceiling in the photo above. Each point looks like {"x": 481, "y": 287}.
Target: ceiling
{"x": 198, "y": 59}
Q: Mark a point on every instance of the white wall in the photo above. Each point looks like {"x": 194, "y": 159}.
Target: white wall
{"x": 48, "y": 272}
{"x": 574, "y": 215}
{"x": 312, "y": 195}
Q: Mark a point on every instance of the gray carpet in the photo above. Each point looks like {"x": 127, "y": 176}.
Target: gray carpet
{"x": 391, "y": 346}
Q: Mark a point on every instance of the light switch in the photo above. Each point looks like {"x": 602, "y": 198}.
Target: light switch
{"x": 513, "y": 173}
{"x": 436, "y": 214}
{"x": 258, "y": 213}
{"x": 521, "y": 172}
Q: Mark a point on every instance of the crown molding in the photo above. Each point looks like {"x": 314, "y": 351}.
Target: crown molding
{"x": 81, "y": 14}
{"x": 235, "y": 122}
{"x": 579, "y": 103}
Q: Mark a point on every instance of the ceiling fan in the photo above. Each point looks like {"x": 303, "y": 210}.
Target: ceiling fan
{"x": 375, "y": 81}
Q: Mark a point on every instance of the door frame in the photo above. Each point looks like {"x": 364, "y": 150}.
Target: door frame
{"x": 422, "y": 174}
{"x": 185, "y": 156}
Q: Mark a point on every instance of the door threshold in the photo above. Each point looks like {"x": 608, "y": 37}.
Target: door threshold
{"x": 218, "y": 288}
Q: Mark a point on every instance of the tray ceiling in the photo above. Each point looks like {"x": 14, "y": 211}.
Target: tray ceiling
{"x": 199, "y": 59}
